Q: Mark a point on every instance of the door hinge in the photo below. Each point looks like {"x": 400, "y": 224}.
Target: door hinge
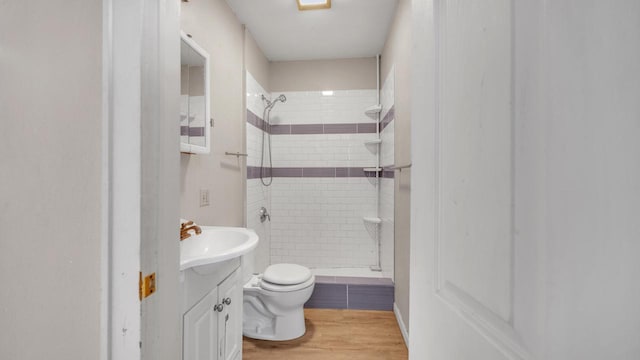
{"x": 147, "y": 285}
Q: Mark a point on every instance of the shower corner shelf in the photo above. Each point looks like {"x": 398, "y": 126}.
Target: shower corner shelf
{"x": 373, "y": 220}
{"x": 373, "y": 142}
{"x": 373, "y": 111}
{"x": 372, "y": 169}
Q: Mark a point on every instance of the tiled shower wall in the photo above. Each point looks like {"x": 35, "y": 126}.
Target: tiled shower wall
{"x": 317, "y": 220}
{"x": 386, "y": 205}
{"x": 320, "y": 192}
{"x": 257, "y": 194}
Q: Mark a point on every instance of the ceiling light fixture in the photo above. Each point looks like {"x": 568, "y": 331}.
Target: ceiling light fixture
{"x": 313, "y": 4}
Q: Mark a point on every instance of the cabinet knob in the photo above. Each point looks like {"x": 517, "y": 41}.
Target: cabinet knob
{"x": 226, "y": 301}
{"x": 218, "y": 307}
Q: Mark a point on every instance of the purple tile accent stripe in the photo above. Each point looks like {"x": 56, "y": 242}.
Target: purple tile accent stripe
{"x": 253, "y": 172}
{"x": 310, "y": 129}
{"x": 352, "y": 293}
{"x": 280, "y": 129}
{"x": 191, "y": 131}
{"x": 287, "y": 172}
{"x": 307, "y": 129}
{"x": 367, "y": 128}
{"x": 389, "y": 116}
{"x": 256, "y": 121}
{"x": 388, "y": 174}
{"x": 340, "y": 128}
{"x": 318, "y": 172}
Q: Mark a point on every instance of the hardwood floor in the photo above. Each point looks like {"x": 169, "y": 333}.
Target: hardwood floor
{"x": 336, "y": 334}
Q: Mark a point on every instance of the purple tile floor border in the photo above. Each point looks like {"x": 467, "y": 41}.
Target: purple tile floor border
{"x": 328, "y": 296}
{"x": 342, "y": 292}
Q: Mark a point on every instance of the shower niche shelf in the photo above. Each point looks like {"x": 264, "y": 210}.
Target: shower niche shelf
{"x": 373, "y": 111}
{"x": 372, "y": 220}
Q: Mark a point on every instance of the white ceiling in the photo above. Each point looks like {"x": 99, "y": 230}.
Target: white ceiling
{"x": 350, "y": 29}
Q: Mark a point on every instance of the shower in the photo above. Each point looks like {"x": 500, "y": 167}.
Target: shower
{"x": 265, "y": 115}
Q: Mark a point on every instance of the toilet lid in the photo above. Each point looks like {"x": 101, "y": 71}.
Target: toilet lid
{"x": 287, "y": 288}
{"x": 286, "y": 274}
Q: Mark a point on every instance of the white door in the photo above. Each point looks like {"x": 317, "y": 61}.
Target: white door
{"x": 525, "y": 193}
{"x": 471, "y": 299}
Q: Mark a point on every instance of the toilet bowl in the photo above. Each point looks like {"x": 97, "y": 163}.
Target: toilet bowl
{"x": 273, "y": 302}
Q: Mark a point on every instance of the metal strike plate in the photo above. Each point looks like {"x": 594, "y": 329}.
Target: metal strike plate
{"x": 147, "y": 285}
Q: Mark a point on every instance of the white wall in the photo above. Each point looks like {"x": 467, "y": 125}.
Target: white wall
{"x": 533, "y": 130}
{"x": 215, "y": 28}
{"x": 336, "y": 74}
{"x": 50, "y": 183}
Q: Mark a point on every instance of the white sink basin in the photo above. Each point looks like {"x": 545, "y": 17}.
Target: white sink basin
{"x": 216, "y": 244}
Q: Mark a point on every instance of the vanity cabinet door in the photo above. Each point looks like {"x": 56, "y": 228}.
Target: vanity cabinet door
{"x": 230, "y": 321}
{"x": 201, "y": 329}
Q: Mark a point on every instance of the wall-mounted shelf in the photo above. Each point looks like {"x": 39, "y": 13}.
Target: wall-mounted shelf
{"x": 373, "y": 220}
{"x": 373, "y": 111}
{"x": 372, "y": 169}
{"x": 373, "y": 142}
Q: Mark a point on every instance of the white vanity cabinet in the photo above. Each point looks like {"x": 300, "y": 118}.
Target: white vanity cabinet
{"x": 212, "y": 308}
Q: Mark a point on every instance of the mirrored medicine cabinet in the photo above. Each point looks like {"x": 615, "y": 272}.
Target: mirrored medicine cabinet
{"x": 195, "y": 133}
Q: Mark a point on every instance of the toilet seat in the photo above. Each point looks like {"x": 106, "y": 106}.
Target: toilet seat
{"x": 286, "y": 274}
{"x": 265, "y": 285}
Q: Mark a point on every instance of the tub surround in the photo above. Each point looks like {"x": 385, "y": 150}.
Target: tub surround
{"x": 320, "y": 191}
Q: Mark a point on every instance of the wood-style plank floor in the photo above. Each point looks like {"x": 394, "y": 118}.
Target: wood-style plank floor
{"x": 336, "y": 334}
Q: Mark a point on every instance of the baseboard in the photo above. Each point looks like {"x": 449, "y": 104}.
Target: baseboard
{"x": 403, "y": 328}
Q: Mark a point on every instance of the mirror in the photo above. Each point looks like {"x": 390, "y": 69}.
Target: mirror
{"x": 194, "y": 98}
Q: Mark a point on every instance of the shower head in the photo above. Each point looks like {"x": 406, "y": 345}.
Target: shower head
{"x": 271, "y": 104}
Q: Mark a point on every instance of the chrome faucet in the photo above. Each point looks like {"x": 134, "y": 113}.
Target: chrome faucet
{"x": 186, "y": 227}
{"x": 264, "y": 215}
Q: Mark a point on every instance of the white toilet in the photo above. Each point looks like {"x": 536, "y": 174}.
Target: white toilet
{"x": 273, "y": 302}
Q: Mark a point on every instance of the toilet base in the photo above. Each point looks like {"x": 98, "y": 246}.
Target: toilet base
{"x": 276, "y": 328}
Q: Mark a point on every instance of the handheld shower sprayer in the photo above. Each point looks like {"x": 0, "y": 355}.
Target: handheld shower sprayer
{"x": 271, "y": 104}
{"x": 264, "y": 173}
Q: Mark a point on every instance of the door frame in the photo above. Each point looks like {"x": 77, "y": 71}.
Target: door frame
{"x": 121, "y": 179}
